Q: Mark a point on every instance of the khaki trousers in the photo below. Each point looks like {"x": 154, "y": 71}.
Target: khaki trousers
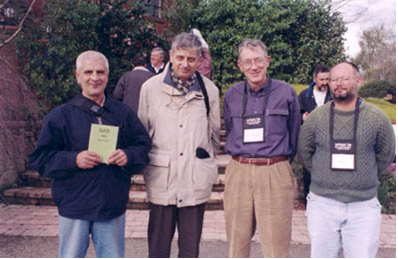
{"x": 259, "y": 196}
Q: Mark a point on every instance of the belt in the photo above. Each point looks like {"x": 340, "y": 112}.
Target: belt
{"x": 259, "y": 161}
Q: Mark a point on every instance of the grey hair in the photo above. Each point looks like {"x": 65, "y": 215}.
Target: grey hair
{"x": 90, "y": 54}
{"x": 160, "y": 50}
{"x": 186, "y": 40}
{"x": 252, "y": 43}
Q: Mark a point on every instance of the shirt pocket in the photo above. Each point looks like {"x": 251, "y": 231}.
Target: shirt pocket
{"x": 277, "y": 121}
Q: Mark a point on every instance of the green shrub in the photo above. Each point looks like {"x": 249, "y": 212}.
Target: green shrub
{"x": 386, "y": 192}
{"x": 376, "y": 89}
{"x": 388, "y": 108}
{"x": 115, "y": 28}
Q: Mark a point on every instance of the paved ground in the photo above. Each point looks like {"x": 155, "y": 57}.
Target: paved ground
{"x": 26, "y": 231}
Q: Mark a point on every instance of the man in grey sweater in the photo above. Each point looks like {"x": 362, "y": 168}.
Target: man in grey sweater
{"x": 345, "y": 144}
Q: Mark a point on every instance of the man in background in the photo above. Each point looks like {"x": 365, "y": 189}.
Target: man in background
{"x": 156, "y": 64}
{"x": 315, "y": 95}
{"x": 128, "y": 87}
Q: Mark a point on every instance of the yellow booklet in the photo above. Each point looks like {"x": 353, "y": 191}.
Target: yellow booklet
{"x": 103, "y": 139}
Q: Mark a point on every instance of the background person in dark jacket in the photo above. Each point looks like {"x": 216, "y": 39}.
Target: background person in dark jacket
{"x": 91, "y": 196}
{"x": 317, "y": 94}
{"x": 128, "y": 87}
{"x": 156, "y": 64}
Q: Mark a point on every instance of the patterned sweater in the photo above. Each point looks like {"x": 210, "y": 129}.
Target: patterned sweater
{"x": 375, "y": 151}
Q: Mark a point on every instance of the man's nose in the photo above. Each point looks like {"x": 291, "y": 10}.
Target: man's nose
{"x": 185, "y": 62}
{"x": 94, "y": 76}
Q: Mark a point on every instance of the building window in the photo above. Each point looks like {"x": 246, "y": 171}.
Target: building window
{"x": 153, "y": 7}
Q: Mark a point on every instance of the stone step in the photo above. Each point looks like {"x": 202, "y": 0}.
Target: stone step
{"x": 137, "y": 199}
{"x": 32, "y": 178}
{"x": 223, "y": 135}
{"x": 138, "y": 183}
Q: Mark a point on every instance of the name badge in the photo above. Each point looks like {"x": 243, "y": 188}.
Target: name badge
{"x": 253, "y": 129}
{"x": 343, "y": 155}
{"x": 343, "y": 161}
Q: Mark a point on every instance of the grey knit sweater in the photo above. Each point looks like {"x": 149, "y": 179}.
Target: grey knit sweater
{"x": 375, "y": 151}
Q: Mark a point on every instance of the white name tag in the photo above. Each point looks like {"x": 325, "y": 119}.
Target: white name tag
{"x": 343, "y": 161}
{"x": 253, "y": 135}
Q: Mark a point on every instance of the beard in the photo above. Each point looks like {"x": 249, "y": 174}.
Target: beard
{"x": 343, "y": 97}
{"x": 323, "y": 88}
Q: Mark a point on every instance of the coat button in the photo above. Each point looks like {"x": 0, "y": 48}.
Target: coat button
{"x": 180, "y": 201}
{"x": 181, "y": 126}
{"x": 181, "y": 154}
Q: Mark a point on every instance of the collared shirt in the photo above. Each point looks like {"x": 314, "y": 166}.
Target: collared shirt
{"x": 158, "y": 69}
{"x": 282, "y": 120}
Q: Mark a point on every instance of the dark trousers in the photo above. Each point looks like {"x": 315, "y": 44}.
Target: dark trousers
{"x": 306, "y": 183}
{"x": 162, "y": 223}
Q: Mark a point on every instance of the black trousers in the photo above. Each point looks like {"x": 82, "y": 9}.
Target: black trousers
{"x": 306, "y": 183}
{"x": 161, "y": 228}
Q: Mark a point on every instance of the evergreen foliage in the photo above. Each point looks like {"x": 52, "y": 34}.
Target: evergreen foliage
{"x": 49, "y": 50}
{"x": 376, "y": 89}
{"x": 298, "y": 33}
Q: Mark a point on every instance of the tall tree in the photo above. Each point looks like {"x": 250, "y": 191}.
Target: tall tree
{"x": 377, "y": 57}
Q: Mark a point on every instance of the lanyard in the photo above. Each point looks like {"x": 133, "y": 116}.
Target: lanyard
{"x": 267, "y": 89}
{"x": 331, "y": 126}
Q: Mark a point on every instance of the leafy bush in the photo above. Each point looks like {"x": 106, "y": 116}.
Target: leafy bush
{"x": 115, "y": 28}
{"x": 376, "y": 89}
{"x": 388, "y": 108}
{"x": 386, "y": 192}
{"x": 298, "y": 33}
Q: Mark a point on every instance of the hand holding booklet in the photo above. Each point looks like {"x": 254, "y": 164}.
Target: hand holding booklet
{"x": 103, "y": 140}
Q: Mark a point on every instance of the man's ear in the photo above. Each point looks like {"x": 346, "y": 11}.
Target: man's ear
{"x": 359, "y": 81}
{"x": 238, "y": 64}
{"x": 268, "y": 60}
{"x": 77, "y": 76}
{"x": 171, "y": 56}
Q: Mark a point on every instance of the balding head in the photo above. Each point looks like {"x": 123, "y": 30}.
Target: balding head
{"x": 344, "y": 82}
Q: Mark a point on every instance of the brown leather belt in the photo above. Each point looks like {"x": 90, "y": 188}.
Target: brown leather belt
{"x": 259, "y": 161}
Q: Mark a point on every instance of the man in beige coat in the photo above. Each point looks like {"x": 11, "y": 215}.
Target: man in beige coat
{"x": 180, "y": 110}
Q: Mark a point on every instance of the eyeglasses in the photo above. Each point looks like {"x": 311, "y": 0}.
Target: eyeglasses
{"x": 343, "y": 80}
{"x": 259, "y": 62}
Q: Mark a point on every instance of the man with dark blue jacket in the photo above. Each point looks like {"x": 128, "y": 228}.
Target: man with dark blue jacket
{"x": 91, "y": 196}
{"x": 317, "y": 94}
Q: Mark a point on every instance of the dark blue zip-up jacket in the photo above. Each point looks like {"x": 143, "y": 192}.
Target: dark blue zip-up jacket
{"x": 307, "y": 100}
{"x": 100, "y": 193}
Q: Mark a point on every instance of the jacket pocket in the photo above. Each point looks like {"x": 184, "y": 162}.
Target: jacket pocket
{"x": 157, "y": 173}
{"x": 205, "y": 175}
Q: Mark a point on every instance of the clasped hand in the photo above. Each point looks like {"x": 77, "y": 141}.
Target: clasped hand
{"x": 88, "y": 159}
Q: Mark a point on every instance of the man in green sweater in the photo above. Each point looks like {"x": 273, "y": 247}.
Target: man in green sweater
{"x": 345, "y": 144}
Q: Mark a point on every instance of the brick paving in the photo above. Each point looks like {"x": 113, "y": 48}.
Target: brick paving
{"x": 29, "y": 220}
